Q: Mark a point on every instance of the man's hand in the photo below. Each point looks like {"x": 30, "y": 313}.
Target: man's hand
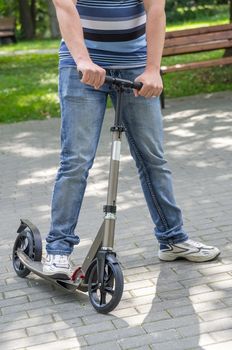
{"x": 152, "y": 84}
{"x": 92, "y": 74}
{"x": 74, "y": 39}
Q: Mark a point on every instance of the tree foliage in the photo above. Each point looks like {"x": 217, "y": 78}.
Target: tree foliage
{"x": 34, "y": 17}
{"x": 178, "y": 10}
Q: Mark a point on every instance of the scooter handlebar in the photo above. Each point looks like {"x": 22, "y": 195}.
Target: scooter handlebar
{"x": 120, "y": 82}
{"x": 123, "y": 83}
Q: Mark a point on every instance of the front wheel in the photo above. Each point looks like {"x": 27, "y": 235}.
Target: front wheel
{"x": 106, "y": 297}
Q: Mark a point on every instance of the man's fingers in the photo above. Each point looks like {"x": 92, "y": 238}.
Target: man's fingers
{"x": 86, "y": 77}
{"x": 103, "y": 77}
{"x": 136, "y": 93}
{"x": 148, "y": 91}
{"x": 95, "y": 78}
{"x": 100, "y": 79}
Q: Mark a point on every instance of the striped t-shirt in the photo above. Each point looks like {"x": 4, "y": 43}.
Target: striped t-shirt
{"x": 114, "y": 32}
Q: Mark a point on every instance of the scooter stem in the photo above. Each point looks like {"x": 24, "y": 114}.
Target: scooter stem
{"x": 110, "y": 208}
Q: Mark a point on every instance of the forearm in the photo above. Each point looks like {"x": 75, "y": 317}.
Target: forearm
{"x": 71, "y": 29}
{"x": 155, "y": 33}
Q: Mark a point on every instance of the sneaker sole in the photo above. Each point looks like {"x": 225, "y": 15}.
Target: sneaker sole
{"x": 166, "y": 257}
{"x": 57, "y": 275}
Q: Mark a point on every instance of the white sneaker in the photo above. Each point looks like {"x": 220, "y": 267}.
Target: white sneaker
{"x": 189, "y": 250}
{"x": 57, "y": 266}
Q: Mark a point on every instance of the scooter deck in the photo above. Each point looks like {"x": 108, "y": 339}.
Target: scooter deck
{"x": 37, "y": 268}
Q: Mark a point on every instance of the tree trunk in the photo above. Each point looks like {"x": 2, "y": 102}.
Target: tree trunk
{"x": 230, "y": 11}
{"x": 33, "y": 15}
{"x": 228, "y": 52}
{"x": 26, "y": 20}
{"x": 54, "y": 26}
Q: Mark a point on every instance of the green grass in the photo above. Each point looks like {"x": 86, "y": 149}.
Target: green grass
{"x": 197, "y": 23}
{"x": 221, "y": 16}
{"x": 28, "y": 88}
{"x": 28, "y": 84}
{"x": 218, "y": 15}
{"x": 192, "y": 82}
{"x": 30, "y": 45}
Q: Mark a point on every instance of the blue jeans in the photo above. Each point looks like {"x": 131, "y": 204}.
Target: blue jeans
{"x": 82, "y": 110}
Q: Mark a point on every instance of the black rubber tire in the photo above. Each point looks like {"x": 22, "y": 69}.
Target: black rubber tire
{"x": 113, "y": 286}
{"x": 30, "y": 246}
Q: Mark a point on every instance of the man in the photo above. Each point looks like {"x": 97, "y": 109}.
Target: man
{"x": 123, "y": 39}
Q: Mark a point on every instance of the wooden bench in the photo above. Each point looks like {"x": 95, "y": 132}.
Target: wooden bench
{"x": 195, "y": 40}
{"x": 7, "y": 29}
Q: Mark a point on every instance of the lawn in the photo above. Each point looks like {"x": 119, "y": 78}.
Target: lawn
{"x": 197, "y": 81}
{"x": 214, "y": 17}
{"x": 30, "y": 45}
{"x": 28, "y": 84}
{"x": 28, "y": 87}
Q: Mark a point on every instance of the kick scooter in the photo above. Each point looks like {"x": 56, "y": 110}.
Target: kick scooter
{"x": 100, "y": 274}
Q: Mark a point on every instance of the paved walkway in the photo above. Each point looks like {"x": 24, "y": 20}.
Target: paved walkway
{"x": 165, "y": 306}
{"x": 28, "y": 52}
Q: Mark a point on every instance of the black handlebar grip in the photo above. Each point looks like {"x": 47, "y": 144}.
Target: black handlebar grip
{"x": 123, "y": 83}
{"x": 120, "y": 82}
{"x": 138, "y": 85}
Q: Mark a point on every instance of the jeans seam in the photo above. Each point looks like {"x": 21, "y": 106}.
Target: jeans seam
{"x": 148, "y": 182}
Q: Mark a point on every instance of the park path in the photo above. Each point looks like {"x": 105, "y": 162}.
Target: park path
{"x": 165, "y": 306}
{"x": 28, "y": 52}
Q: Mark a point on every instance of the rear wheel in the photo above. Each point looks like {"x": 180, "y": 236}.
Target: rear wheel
{"x": 106, "y": 297}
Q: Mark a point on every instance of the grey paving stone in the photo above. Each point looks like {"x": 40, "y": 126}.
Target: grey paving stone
{"x": 7, "y": 318}
{"x": 135, "y": 271}
{"x": 114, "y": 335}
{"x": 209, "y": 296}
{"x": 145, "y": 347}
{"x": 216, "y": 314}
{"x": 158, "y": 337}
{"x": 162, "y": 299}
{"x": 222, "y": 336}
{"x": 61, "y": 344}
{"x": 85, "y": 330}
{"x": 227, "y": 301}
{"x": 186, "y": 343}
{"x": 29, "y": 305}
{"x": 28, "y": 341}
{"x": 51, "y": 327}
{"x": 12, "y": 335}
{"x": 215, "y": 269}
{"x": 220, "y": 346}
{"x": 13, "y": 286}
{"x": 209, "y": 305}
{"x": 172, "y": 323}
{"x": 221, "y": 285}
{"x": 142, "y": 319}
{"x": 14, "y": 323}
{"x": 137, "y": 285}
{"x": 136, "y": 341}
{"x": 206, "y": 327}
{"x": 65, "y": 310}
{"x": 206, "y": 279}
{"x": 106, "y": 346}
